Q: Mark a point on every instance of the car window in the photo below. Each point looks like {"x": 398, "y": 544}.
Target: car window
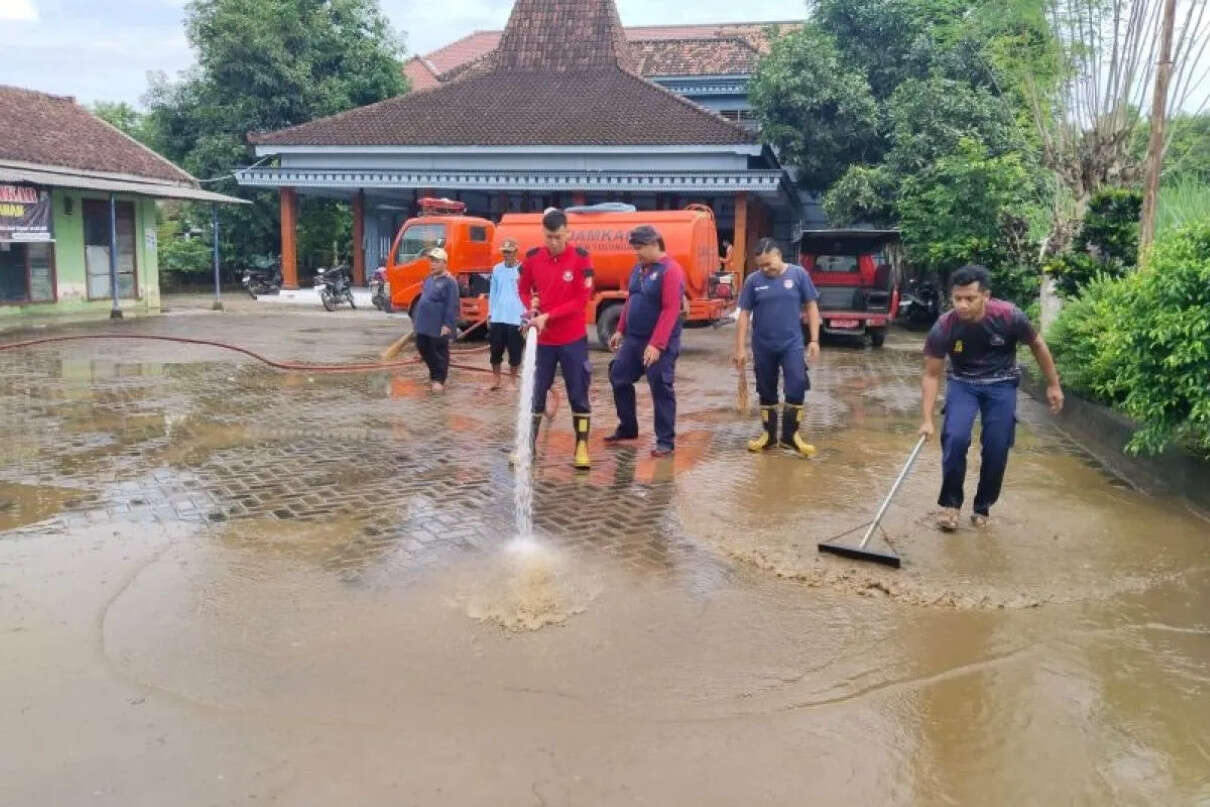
{"x": 417, "y": 238}
{"x": 836, "y": 263}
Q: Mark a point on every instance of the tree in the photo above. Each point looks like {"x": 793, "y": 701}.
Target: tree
{"x": 263, "y": 66}
{"x": 124, "y": 117}
{"x": 814, "y": 107}
{"x": 864, "y": 195}
{"x": 969, "y": 207}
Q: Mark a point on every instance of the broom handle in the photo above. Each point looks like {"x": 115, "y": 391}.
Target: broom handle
{"x": 894, "y": 489}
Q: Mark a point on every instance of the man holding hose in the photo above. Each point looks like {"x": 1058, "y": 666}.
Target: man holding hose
{"x": 560, "y": 274}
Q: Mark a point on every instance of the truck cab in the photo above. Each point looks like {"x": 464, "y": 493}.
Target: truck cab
{"x": 442, "y": 223}
{"x": 857, "y": 275}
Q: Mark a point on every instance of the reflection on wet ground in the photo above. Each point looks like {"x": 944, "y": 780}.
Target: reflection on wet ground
{"x": 297, "y": 586}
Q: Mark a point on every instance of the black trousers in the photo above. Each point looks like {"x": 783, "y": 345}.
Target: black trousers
{"x": 502, "y": 336}
{"x": 435, "y": 350}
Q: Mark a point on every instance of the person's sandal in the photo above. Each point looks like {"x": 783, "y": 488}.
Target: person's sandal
{"x": 947, "y": 520}
{"x": 980, "y": 521}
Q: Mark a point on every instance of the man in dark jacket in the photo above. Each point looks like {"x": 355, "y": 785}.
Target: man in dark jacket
{"x": 648, "y": 340}
{"x": 437, "y": 318}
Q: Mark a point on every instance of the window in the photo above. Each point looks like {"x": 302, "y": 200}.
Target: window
{"x": 836, "y": 263}
{"x": 417, "y": 238}
{"x": 479, "y": 235}
{"x": 27, "y": 272}
{"x": 96, "y": 249}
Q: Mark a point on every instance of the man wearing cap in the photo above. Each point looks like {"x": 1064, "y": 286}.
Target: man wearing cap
{"x": 437, "y": 318}
{"x": 504, "y": 312}
{"x": 776, "y": 299}
{"x": 560, "y": 274}
{"x": 648, "y": 340}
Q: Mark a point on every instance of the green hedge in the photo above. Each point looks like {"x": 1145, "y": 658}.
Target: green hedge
{"x": 1142, "y": 342}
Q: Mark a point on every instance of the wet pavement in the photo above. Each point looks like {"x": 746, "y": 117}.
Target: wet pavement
{"x": 224, "y": 584}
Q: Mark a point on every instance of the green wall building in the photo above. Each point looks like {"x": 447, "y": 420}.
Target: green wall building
{"x": 78, "y": 211}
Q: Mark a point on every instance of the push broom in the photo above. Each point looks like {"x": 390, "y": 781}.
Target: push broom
{"x": 859, "y": 552}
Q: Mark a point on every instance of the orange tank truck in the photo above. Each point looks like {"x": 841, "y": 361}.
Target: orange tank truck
{"x": 473, "y": 245}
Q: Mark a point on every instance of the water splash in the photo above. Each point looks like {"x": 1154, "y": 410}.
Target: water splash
{"x": 523, "y": 482}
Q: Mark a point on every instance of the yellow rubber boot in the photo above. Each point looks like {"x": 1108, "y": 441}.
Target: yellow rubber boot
{"x": 790, "y": 436}
{"x": 580, "y": 461}
{"x": 767, "y": 438}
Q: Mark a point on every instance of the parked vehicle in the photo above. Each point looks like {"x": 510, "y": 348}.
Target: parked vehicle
{"x": 262, "y": 275}
{"x": 921, "y": 303}
{"x": 473, "y": 245}
{"x": 334, "y": 287}
{"x": 380, "y": 290}
{"x": 857, "y": 277}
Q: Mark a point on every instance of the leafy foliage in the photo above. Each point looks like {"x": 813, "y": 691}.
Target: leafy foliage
{"x": 1107, "y": 244}
{"x": 960, "y": 210}
{"x": 814, "y": 108}
{"x": 864, "y": 195}
{"x": 1142, "y": 342}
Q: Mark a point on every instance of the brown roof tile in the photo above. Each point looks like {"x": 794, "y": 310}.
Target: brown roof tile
{"x": 694, "y": 57}
{"x": 54, "y": 130}
{"x": 518, "y": 108}
{"x": 451, "y": 60}
{"x": 562, "y": 35}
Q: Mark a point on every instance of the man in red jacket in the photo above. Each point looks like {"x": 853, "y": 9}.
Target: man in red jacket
{"x": 560, "y": 274}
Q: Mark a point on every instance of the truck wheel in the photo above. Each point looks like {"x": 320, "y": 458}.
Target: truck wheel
{"x": 607, "y": 323}
{"x": 877, "y": 336}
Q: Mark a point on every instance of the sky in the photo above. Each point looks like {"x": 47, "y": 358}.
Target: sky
{"x": 102, "y": 49}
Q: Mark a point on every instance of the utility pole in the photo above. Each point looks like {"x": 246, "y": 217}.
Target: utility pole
{"x": 1159, "y": 112}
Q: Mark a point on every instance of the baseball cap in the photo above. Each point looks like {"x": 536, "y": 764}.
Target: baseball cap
{"x": 437, "y": 253}
{"x": 644, "y": 234}
{"x": 508, "y": 245}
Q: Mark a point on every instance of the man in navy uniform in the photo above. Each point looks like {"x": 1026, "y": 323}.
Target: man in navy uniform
{"x": 648, "y": 340}
{"x": 775, "y": 300}
{"x": 561, "y": 276}
{"x": 980, "y": 336}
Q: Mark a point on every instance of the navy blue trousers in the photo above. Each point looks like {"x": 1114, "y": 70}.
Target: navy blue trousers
{"x": 996, "y": 404}
{"x": 793, "y": 366}
{"x": 572, "y": 359}
{"x": 627, "y": 368}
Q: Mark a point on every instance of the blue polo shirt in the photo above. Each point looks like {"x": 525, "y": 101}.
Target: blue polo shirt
{"x": 438, "y": 306}
{"x": 775, "y": 304}
{"x": 503, "y": 301}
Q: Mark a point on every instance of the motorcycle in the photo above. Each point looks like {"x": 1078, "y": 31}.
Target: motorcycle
{"x": 262, "y": 275}
{"x": 380, "y": 290}
{"x": 334, "y": 287}
{"x": 920, "y": 303}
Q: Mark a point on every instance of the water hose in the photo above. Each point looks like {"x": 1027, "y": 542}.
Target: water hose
{"x": 359, "y": 367}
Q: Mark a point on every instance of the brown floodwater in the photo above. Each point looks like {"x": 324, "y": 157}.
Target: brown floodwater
{"x": 224, "y": 585}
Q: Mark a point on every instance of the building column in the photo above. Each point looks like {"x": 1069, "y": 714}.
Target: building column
{"x": 740, "y": 236}
{"x": 289, "y": 236}
{"x": 116, "y": 311}
{"x": 502, "y": 202}
{"x": 359, "y": 238}
{"x": 579, "y": 198}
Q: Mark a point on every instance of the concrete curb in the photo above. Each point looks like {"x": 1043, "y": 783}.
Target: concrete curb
{"x": 1104, "y": 433}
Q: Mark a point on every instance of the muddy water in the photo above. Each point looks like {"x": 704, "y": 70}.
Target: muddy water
{"x": 328, "y": 605}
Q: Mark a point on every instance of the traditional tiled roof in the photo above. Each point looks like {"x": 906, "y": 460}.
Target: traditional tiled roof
{"x": 426, "y": 72}
{"x": 695, "y": 57}
{"x": 521, "y": 108}
{"x": 52, "y": 130}
{"x": 562, "y": 76}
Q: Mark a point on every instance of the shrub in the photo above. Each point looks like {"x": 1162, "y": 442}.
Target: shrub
{"x": 1107, "y": 244}
{"x": 1142, "y": 342}
{"x": 1165, "y": 366}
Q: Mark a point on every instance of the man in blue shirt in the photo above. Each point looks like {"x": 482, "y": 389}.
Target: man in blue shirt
{"x": 504, "y": 310}
{"x": 437, "y": 318}
{"x": 775, "y": 300}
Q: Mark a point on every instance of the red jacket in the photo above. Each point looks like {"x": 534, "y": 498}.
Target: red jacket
{"x": 563, "y": 284}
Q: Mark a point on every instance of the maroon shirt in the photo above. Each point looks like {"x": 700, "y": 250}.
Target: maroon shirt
{"x": 982, "y": 352}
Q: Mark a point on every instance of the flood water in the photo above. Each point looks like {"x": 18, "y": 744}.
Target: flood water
{"x": 222, "y": 584}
